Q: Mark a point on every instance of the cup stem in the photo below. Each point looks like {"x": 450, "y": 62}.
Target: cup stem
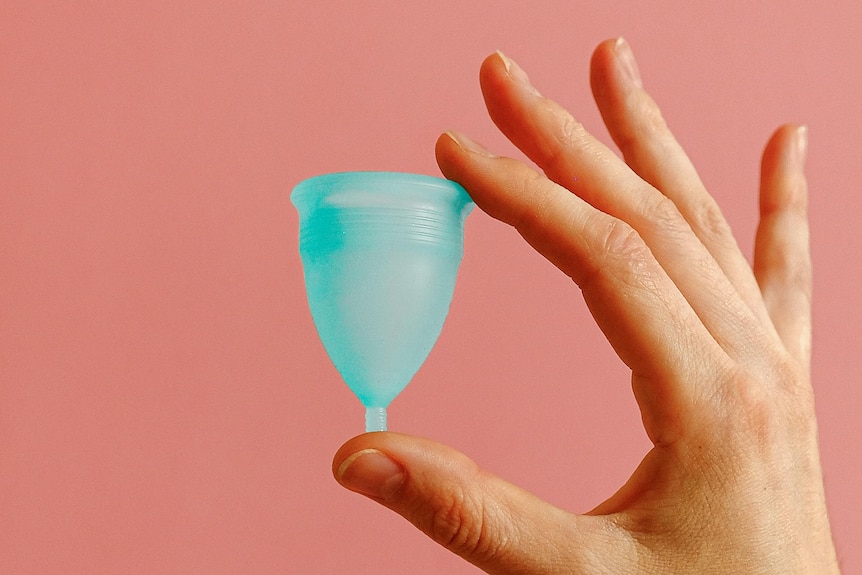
{"x": 375, "y": 419}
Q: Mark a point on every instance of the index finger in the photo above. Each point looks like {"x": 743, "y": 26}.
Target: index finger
{"x": 644, "y": 316}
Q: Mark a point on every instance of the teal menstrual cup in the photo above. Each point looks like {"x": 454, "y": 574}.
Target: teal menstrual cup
{"x": 380, "y": 253}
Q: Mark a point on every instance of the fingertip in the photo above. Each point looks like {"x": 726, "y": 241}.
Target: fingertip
{"x": 787, "y": 139}
{"x": 603, "y": 56}
{"x": 494, "y": 65}
{"x": 614, "y": 72}
{"x": 460, "y": 158}
{"x": 372, "y": 473}
{"x": 798, "y": 145}
{"x": 604, "y": 51}
{"x": 492, "y": 72}
{"x": 375, "y": 440}
{"x": 782, "y": 169}
{"x": 447, "y": 151}
{"x": 465, "y": 143}
{"x": 443, "y": 147}
{"x": 506, "y": 87}
{"x": 802, "y": 142}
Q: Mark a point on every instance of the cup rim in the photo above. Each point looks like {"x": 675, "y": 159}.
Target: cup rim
{"x": 315, "y": 189}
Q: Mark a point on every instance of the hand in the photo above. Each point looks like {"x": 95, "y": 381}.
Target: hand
{"x": 719, "y": 350}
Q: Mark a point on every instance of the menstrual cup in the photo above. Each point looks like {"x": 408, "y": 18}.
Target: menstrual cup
{"x": 380, "y": 252}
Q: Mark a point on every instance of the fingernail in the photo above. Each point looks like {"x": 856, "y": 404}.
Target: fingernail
{"x": 627, "y": 59}
{"x": 801, "y": 147}
{"x": 468, "y": 144}
{"x": 517, "y": 73}
{"x": 372, "y": 473}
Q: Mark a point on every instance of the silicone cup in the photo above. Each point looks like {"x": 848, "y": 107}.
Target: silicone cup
{"x": 380, "y": 254}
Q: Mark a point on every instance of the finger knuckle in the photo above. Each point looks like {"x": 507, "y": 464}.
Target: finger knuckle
{"x": 665, "y": 216}
{"x": 620, "y": 238}
{"x": 617, "y": 251}
{"x": 570, "y": 136}
{"x": 623, "y": 245}
{"x": 571, "y": 132}
{"x": 761, "y": 414}
{"x": 461, "y": 524}
{"x": 710, "y": 224}
{"x": 756, "y": 410}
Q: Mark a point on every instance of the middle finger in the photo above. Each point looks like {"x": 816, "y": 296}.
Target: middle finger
{"x": 635, "y": 123}
{"x": 573, "y": 158}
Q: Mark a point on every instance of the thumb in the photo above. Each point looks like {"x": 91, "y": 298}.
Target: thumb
{"x": 487, "y": 521}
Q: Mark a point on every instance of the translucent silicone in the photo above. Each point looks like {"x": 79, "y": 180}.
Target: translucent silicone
{"x": 380, "y": 253}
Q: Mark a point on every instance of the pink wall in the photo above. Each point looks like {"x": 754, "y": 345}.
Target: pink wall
{"x": 165, "y": 405}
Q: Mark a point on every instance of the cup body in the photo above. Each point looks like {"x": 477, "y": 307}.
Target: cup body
{"x": 380, "y": 253}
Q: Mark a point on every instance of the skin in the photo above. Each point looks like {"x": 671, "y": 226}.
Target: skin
{"x": 719, "y": 350}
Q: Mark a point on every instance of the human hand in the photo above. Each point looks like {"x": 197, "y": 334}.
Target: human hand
{"x": 719, "y": 350}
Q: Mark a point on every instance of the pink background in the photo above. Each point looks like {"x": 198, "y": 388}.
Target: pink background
{"x": 165, "y": 405}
